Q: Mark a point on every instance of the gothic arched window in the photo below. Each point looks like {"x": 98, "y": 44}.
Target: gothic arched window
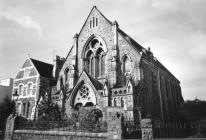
{"x": 28, "y": 108}
{"x": 122, "y": 102}
{"x": 102, "y": 65}
{"x": 21, "y": 90}
{"x": 129, "y": 89}
{"x": 115, "y": 102}
{"x": 66, "y": 74}
{"x": 61, "y": 82}
{"x": 99, "y": 65}
{"x": 95, "y": 58}
{"x": 126, "y": 65}
{"x": 89, "y": 65}
{"x": 92, "y": 66}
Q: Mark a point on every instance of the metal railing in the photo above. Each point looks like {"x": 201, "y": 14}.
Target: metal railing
{"x": 173, "y": 129}
{"x": 2, "y": 125}
{"x": 131, "y": 129}
{"x": 100, "y": 126}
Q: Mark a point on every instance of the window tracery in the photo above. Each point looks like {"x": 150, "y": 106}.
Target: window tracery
{"x": 95, "y": 58}
{"x": 84, "y": 92}
{"x": 85, "y": 96}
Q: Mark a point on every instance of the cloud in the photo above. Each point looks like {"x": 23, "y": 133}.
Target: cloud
{"x": 24, "y": 21}
{"x": 174, "y": 29}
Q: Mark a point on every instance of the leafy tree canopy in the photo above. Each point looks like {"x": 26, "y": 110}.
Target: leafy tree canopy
{"x": 194, "y": 110}
{"x": 6, "y": 108}
{"x": 48, "y": 111}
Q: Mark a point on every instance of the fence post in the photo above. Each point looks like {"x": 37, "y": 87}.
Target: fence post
{"x": 146, "y": 126}
{"x": 10, "y": 122}
{"x": 114, "y": 128}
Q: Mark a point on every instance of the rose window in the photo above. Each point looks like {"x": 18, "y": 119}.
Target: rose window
{"x": 85, "y": 95}
{"x": 84, "y": 92}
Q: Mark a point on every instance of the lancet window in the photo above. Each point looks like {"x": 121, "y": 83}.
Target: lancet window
{"x": 126, "y": 65}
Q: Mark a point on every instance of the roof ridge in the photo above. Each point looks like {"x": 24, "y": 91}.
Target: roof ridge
{"x": 43, "y": 68}
{"x": 102, "y": 14}
{"x": 131, "y": 40}
{"x": 41, "y": 61}
{"x": 94, "y": 81}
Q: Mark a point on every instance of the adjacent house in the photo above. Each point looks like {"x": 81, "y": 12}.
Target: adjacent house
{"x": 32, "y": 81}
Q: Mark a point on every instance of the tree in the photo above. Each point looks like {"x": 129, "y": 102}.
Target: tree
{"x": 194, "y": 110}
{"x": 6, "y": 108}
{"x": 86, "y": 118}
{"x": 48, "y": 111}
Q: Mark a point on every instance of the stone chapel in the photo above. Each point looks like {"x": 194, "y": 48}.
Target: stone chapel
{"x": 105, "y": 67}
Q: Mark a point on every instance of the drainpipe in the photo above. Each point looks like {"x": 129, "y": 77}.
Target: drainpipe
{"x": 160, "y": 94}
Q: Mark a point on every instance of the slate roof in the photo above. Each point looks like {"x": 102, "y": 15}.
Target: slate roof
{"x": 43, "y": 68}
{"x": 130, "y": 40}
{"x": 95, "y": 82}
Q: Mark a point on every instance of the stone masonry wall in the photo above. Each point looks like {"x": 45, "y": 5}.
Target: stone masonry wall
{"x": 126, "y": 49}
{"x": 104, "y": 30}
{"x": 25, "y": 81}
{"x": 163, "y": 94}
{"x": 54, "y": 135}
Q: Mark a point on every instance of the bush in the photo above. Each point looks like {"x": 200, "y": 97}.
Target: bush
{"x": 86, "y": 118}
{"x": 194, "y": 110}
{"x": 202, "y": 128}
{"x": 48, "y": 111}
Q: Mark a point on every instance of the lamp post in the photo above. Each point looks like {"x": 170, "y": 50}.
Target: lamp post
{"x": 15, "y": 95}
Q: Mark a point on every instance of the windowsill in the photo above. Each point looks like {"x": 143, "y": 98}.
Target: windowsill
{"x": 100, "y": 78}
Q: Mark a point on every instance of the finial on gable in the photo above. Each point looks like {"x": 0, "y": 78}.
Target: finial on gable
{"x": 76, "y": 35}
{"x": 27, "y": 56}
{"x": 115, "y": 23}
{"x": 149, "y": 49}
{"x": 94, "y": 6}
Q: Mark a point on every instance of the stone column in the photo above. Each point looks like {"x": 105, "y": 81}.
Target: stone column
{"x": 114, "y": 58}
{"x": 114, "y": 128}
{"x": 10, "y": 122}
{"x": 114, "y": 122}
{"x": 146, "y": 126}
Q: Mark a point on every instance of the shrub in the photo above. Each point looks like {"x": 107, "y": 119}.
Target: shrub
{"x": 86, "y": 118}
{"x": 48, "y": 111}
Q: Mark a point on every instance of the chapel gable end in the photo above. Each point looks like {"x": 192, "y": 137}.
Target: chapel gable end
{"x": 27, "y": 63}
{"x": 94, "y": 21}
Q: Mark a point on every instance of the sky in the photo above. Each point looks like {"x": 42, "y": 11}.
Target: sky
{"x": 175, "y": 30}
